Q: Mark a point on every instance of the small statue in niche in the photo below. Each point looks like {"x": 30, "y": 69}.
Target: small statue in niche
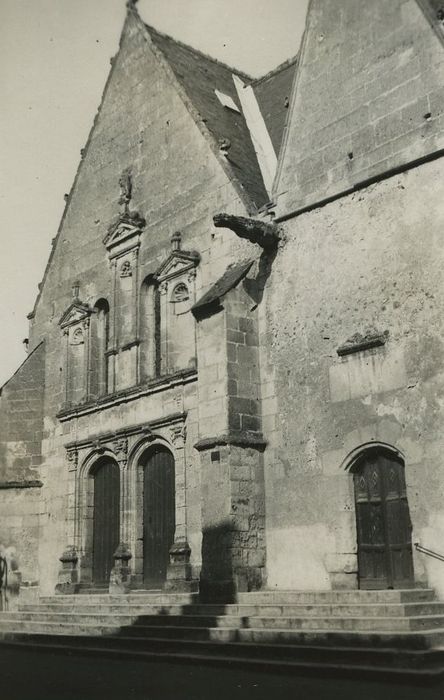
{"x": 126, "y": 190}
{"x": 125, "y": 270}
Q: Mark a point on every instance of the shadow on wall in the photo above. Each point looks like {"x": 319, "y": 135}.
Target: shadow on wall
{"x": 255, "y": 287}
{"x": 219, "y": 581}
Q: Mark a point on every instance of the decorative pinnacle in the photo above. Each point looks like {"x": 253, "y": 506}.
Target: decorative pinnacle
{"x": 176, "y": 239}
{"x": 131, "y": 4}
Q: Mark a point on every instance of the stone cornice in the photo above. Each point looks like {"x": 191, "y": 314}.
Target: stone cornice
{"x": 153, "y": 387}
{"x": 142, "y": 428}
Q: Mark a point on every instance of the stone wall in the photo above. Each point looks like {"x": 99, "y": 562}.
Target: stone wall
{"x": 368, "y": 98}
{"x": 21, "y": 426}
{"x": 143, "y": 124}
{"x": 370, "y": 263}
{"x": 231, "y": 447}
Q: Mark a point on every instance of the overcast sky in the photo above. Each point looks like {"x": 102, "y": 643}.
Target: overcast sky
{"x": 54, "y": 60}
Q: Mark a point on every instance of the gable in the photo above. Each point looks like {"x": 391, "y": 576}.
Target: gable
{"x": 176, "y": 264}
{"x": 201, "y": 77}
{"x": 367, "y": 99}
{"x": 143, "y": 124}
{"x": 74, "y": 313}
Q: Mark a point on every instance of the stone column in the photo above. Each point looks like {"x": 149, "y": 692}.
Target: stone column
{"x": 179, "y": 576}
{"x": 120, "y": 577}
{"x": 68, "y": 577}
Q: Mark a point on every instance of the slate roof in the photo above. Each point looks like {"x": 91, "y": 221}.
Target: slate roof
{"x": 273, "y": 94}
{"x": 200, "y": 75}
{"x": 230, "y": 279}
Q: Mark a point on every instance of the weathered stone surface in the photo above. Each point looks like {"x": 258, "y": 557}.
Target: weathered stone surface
{"x": 309, "y": 353}
{"x": 362, "y": 101}
{"x": 372, "y": 259}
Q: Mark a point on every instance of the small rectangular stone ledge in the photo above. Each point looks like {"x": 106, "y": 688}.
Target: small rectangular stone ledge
{"x": 240, "y": 438}
{"x": 359, "y": 343}
{"x": 31, "y": 484}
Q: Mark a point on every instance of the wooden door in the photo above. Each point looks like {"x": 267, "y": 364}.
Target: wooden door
{"x": 383, "y": 522}
{"x": 106, "y": 519}
{"x": 159, "y": 517}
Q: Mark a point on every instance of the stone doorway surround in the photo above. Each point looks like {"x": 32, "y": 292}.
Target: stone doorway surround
{"x": 126, "y": 447}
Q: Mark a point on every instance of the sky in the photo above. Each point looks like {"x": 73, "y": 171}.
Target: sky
{"x": 54, "y": 61}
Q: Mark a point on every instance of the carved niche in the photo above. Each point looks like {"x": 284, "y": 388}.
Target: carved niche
{"x": 176, "y": 280}
{"x": 75, "y": 326}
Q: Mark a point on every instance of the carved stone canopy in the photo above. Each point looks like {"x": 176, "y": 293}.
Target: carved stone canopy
{"x": 76, "y": 312}
{"x": 128, "y": 225}
{"x": 177, "y": 263}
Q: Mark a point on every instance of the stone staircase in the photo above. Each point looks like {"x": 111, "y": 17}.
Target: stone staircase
{"x": 392, "y": 631}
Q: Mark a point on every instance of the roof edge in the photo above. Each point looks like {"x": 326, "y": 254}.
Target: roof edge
{"x": 238, "y": 72}
{"x": 42, "y": 342}
{"x": 293, "y": 99}
{"x": 131, "y": 12}
{"x": 285, "y": 64}
{"x": 247, "y": 200}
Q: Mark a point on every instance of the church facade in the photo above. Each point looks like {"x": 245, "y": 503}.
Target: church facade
{"x": 235, "y": 373}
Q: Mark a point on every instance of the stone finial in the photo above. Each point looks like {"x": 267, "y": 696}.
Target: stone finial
{"x": 176, "y": 240}
{"x": 75, "y": 289}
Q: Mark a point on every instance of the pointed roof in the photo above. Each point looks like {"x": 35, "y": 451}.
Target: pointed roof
{"x": 200, "y": 76}
{"x": 273, "y": 93}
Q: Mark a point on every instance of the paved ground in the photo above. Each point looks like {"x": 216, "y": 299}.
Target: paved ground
{"x": 27, "y": 675}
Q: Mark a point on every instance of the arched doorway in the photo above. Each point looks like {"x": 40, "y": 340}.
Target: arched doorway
{"x": 383, "y": 521}
{"x": 159, "y": 514}
{"x": 106, "y": 518}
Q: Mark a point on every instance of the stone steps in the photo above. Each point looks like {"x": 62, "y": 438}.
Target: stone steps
{"x": 333, "y": 653}
{"x": 279, "y": 597}
{"x": 298, "y": 627}
{"x": 317, "y": 610}
{"x": 139, "y": 636}
{"x": 146, "y": 622}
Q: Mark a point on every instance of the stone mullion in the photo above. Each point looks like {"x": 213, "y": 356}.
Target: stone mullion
{"x": 120, "y": 576}
{"x": 121, "y": 451}
{"x": 72, "y": 515}
{"x": 125, "y": 505}
{"x": 86, "y": 357}
{"x": 163, "y": 291}
{"x": 66, "y": 352}
{"x": 180, "y": 534}
{"x": 135, "y": 308}
{"x": 113, "y": 332}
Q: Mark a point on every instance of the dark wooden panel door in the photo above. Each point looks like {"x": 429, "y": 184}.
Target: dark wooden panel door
{"x": 106, "y": 519}
{"x": 159, "y": 517}
{"x": 383, "y": 522}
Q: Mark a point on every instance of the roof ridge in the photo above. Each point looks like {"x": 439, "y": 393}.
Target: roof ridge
{"x": 238, "y": 72}
{"x": 285, "y": 64}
